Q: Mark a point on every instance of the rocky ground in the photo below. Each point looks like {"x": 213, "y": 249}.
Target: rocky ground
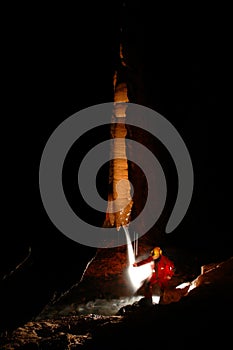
{"x": 103, "y": 312}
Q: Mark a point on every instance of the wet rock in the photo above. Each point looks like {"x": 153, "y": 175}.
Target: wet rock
{"x": 142, "y": 304}
{"x": 63, "y": 333}
{"x": 173, "y": 295}
{"x": 198, "y": 310}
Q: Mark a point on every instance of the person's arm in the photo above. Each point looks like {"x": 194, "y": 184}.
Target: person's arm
{"x": 142, "y": 262}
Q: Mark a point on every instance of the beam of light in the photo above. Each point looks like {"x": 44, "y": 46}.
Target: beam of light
{"x": 139, "y": 274}
{"x": 130, "y": 251}
{"x": 136, "y": 274}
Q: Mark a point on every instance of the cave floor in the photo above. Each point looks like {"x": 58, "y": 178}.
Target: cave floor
{"x": 105, "y": 286}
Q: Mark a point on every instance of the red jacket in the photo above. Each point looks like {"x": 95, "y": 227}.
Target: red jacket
{"x": 162, "y": 270}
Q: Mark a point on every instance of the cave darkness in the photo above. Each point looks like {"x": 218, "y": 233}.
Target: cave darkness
{"x": 179, "y": 68}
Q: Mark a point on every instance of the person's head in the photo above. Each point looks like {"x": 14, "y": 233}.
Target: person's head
{"x": 156, "y": 253}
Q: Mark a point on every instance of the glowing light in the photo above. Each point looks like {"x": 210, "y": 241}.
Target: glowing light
{"x": 183, "y": 285}
{"x": 155, "y": 299}
{"x": 130, "y": 251}
{"x": 136, "y": 274}
{"x": 191, "y": 285}
{"x": 139, "y": 274}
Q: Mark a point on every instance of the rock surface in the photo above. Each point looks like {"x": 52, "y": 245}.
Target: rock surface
{"x": 200, "y": 315}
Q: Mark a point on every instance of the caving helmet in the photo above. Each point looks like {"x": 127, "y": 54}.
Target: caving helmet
{"x": 156, "y": 252}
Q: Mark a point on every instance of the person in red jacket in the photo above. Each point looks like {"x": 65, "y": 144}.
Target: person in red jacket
{"x": 162, "y": 270}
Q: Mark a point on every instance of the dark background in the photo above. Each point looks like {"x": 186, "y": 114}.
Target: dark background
{"x": 58, "y": 61}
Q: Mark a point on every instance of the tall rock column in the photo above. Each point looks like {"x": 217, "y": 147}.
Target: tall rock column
{"x": 119, "y": 199}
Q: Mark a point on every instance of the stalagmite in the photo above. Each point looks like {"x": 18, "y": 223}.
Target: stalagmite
{"x": 119, "y": 199}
